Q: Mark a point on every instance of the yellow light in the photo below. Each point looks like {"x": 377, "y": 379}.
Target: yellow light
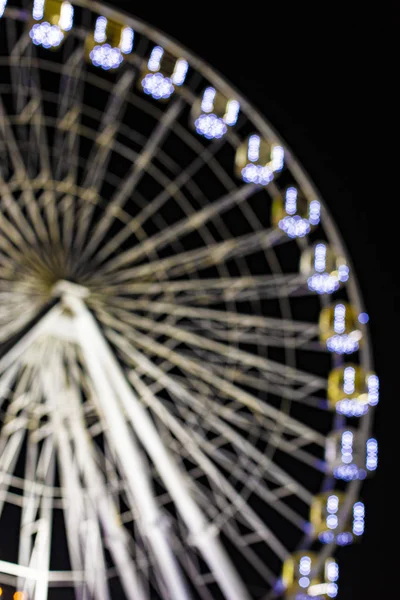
{"x": 1, "y": 591}
{"x": 20, "y": 596}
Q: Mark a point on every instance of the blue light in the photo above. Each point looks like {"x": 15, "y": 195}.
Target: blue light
{"x": 343, "y": 273}
{"x": 232, "y": 112}
{"x": 3, "y": 4}
{"x": 344, "y": 538}
{"x": 291, "y": 201}
{"x": 155, "y": 58}
{"x": 253, "y": 152}
{"x": 157, "y": 86}
{"x": 257, "y": 174}
{"x": 363, "y": 318}
{"x": 372, "y": 455}
{"x": 332, "y": 590}
{"x": 359, "y": 518}
{"x": 207, "y": 103}
{"x": 332, "y": 521}
{"x": 277, "y": 158}
{"x": 210, "y": 126}
{"x": 373, "y": 390}
{"x": 66, "y": 16}
{"x": 326, "y": 537}
{"x": 347, "y": 472}
{"x": 305, "y": 565}
{"x": 304, "y": 582}
{"x": 46, "y": 35}
{"x": 294, "y": 226}
{"x": 314, "y": 212}
{"x": 106, "y": 57}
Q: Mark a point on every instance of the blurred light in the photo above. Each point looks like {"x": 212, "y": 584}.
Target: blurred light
{"x": 332, "y": 571}
{"x": 157, "y": 86}
{"x": 106, "y": 57}
{"x": 320, "y": 258}
{"x": 100, "y": 30}
{"x": 323, "y": 283}
{"x": 344, "y": 538}
{"x": 349, "y": 380}
{"x": 66, "y": 16}
{"x": 232, "y": 112}
{"x": 320, "y": 589}
{"x": 20, "y": 596}
{"x": 257, "y": 174}
{"x": 359, "y": 518}
{"x": 127, "y": 39}
{"x": 304, "y": 582}
{"x": 332, "y": 521}
{"x": 46, "y": 35}
{"x": 339, "y": 318}
{"x": 38, "y": 9}
{"x": 180, "y": 70}
{"x": 351, "y": 408}
{"x": 363, "y": 318}
{"x": 314, "y": 212}
{"x": 3, "y": 4}
{"x": 155, "y": 58}
{"x": 207, "y": 103}
{"x": 372, "y": 454}
{"x": 373, "y": 390}
{"x": 347, "y": 472}
{"x": 253, "y": 152}
{"x": 332, "y": 504}
{"x": 343, "y": 344}
{"x": 326, "y": 537}
{"x": 294, "y": 226}
{"x": 343, "y": 273}
{"x": 277, "y": 158}
{"x": 291, "y": 201}
{"x": 305, "y": 565}
{"x": 210, "y": 126}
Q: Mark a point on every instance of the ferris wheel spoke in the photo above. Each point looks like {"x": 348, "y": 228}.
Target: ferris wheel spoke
{"x": 140, "y": 361}
{"x": 217, "y": 477}
{"x": 200, "y": 258}
{"x": 228, "y": 352}
{"x": 184, "y": 226}
{"x": 141, "y": 163}
{"x": 171, "y": 189}
{"x": 225, "y": 387}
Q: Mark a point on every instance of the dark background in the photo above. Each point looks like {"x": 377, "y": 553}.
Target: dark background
{"x": 315, "y": 76}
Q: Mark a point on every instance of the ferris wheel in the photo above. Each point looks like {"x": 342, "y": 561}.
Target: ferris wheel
{"x": 186, "y": 377}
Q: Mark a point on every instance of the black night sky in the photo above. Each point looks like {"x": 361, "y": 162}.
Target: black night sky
{"x": 309, "y": 73}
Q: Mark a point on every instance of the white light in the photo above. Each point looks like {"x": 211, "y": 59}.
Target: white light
{"x": 294, "y": 226}
{"x": 347, "y": 472}
{"x": 332, "y": 591}
{"x": 210, "y": 126}
{"x": 332, "y": 521}
{"x": 339, "y": 323}
{"x": 373, "y": 390}
{"x": 3, "y": 4}
{"x": 305, "y": 565}
{"x": 351, "y": 408}
{"x": 332, "y": 571}
{"x": 46, "y": 35}
{"x": 180, "y": 71}
{"x": 320, "y": 589}
{"x": 232, "y": 112}
{"x": 66, "y": 16}
{"x": 342, "y": 344}
{"x": 127, "y": 38}
{"x": 320, "y": 258}
{"x": 100, "y": 30}
{"x": 363, "y": 318}
{"x": 304, "y": 582}
{"x": 157, "y": 86}
{"x": 326, "y": 537}
{"x": 343, "y": 273}
{"x": 277, "y": 158}
{"x": 332, "y": 504}
{"x": 207, "y": 104}
{"x": 359, "y": 516}
{"x": 291, "y": 201}
{"x": 314, "y": 212}
{"x": 257, "y": 174}
{"x": 155, "y": 58}
{"x": 323, "y": 283}
{"x": 372, "y": 455}
{"x": 106, "y": 57}
{"x": 38, "y": 9}
{"x": 253, "y": 152}
{"x": 349, "y": 378}
{"x": 359, "y": 510}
